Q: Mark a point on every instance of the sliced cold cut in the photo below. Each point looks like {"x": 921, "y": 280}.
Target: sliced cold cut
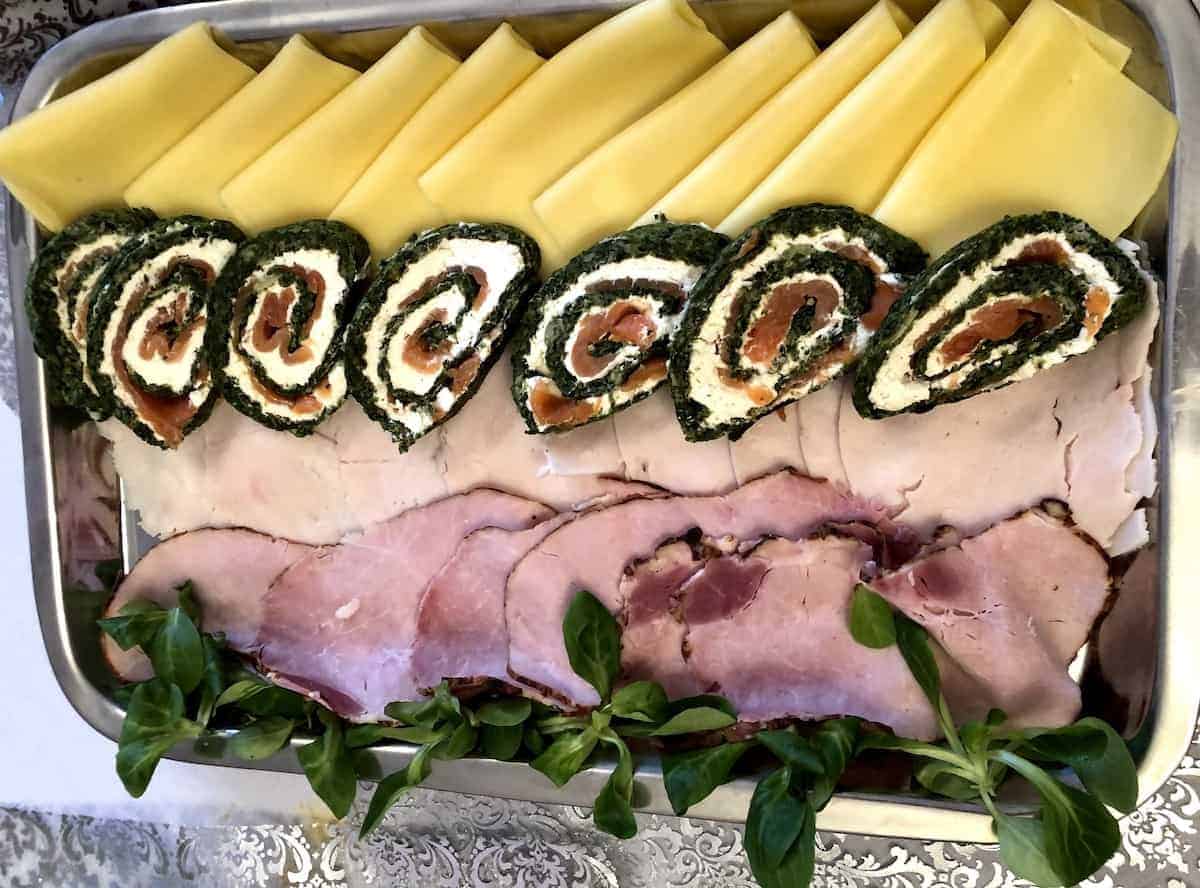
{"x": 592, "y": 552}
{"x": 342, "y": 621}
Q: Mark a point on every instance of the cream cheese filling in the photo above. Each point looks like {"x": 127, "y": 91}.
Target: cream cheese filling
{"x": 727, "y": 403}
{"x": 501, "y": 261}
{"x": 647, "y": 268}
{"x": 215, "y": 252}
{"x": 324, "y": 328}
{"x": 895, "y": 387}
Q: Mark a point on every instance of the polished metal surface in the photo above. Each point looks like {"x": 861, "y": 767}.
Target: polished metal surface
{"x": 76, "y": 516}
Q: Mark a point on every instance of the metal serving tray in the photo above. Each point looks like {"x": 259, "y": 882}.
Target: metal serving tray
{"x": 77, "y": 513}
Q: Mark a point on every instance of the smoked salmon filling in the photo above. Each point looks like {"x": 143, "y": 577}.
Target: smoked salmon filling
{"x": 785, "y": 309}
{"x": 434, "y": 320}
{"x": 1024, "y": 295}
{"x": 147, "y": 327}
{"x": 59, "y": 295}
{"x": 595, "y": 337}
{"x": 280, "y": 312}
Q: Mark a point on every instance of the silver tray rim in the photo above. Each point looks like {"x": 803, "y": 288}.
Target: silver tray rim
{"x": 1172, "y": 716}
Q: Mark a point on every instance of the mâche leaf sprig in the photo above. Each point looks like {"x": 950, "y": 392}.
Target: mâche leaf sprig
{"x": 203, "y": 693}
{"x": 444, "y": 728}
{"x": 1073, "y": 833}
{"x": 638, "y": 709}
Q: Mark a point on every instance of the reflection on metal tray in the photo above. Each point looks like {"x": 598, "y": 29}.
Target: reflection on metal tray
{"x": 1144, "y": 669}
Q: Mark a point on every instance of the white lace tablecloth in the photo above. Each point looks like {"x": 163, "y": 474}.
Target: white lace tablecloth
{"x": 431, "y": 838}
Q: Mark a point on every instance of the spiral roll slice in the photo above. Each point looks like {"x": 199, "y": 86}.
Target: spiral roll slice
{"x": 280, "y": 312}
{"x": 785, "y": 309}
{"x": 1021, "y": 296}
{"x": 58, "y": 298}
{"x": 595, "y": 337}
{"x": 433, "y": 322}
{"x": 147, "y": 326}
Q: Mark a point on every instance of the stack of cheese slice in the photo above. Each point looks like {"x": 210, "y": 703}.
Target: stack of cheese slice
{"x": 723, "y": 179}
{"x": 81, "y": 152}
{"x": 189, "y": 177}
{"x": 855, "y": 153}
{"x": 1049, "y": 122}
{"x": 386, "y": 204}
{"x": 611, "y": 187}
{"x": 584, "y": 95}
{"x": 306, "y": 173}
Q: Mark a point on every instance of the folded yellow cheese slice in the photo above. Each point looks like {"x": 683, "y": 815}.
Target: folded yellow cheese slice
{"x": 855, "y": 153}
{"x": 80, "y": 152}
{"x": 617, "y": 182}
{"x": 1048, "y": 123}
{"x": 830, "y": 18}
{"x": 710, "y": 192}
{"x": 189, "y": 177}
{"x": 386, "y": 204}
{"x": 585, "y": 94}
{"x": 306, "y": 173}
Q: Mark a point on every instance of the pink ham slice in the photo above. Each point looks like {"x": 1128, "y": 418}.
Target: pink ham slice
{"x": 1011, "y": 608}
{"x": 342, "y": 621}
{"x": 231, "y": 571}
{"x": 461, "y": 632}
{"x": 460, "y": 626}
{"x": 771, "y": 632}
{"x": 592, "y": 552}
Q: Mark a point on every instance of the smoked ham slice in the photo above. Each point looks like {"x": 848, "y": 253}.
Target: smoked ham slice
{"x": 771, "y": 631}
{"x": 592, "y": 552}
{"x": 231, "y": 571}
{"x": 342, "y": 621}
{"x": 460, "y": 624}
{"x": 1010, "y": 608}
{"x": 461, "y": 631}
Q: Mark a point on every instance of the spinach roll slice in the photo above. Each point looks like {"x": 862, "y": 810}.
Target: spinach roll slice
{"x": 594, "y": 339}
{"x": 58, "y": 299}
{"x": 280, "y": 312}
{"x": 1026, "y": 294}
{"x": 434, "y": 320}
{"x": 785, "y": 309}
{"x": 147, "y": 324}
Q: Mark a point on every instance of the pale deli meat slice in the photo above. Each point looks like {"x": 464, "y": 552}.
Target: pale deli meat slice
{"x": 1072, "y": 433}
{"x": 485, "y": 445}
{"x": 272, "y": 482}
{"x": 584, "y": 95}
{"x": 1044, "y": 122}
{"x": 855, "y": 153}
{"x": 768, "y": 446}
{"x": 80, "y": 152}
{"x": 306, "y": 173}
{"x": 653, "y": 450}
{"x": 386, "y": 204}
{"x": 189, "y": 177}
{"x": 611, "y": 187}
{"x": 722, "y": 180}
